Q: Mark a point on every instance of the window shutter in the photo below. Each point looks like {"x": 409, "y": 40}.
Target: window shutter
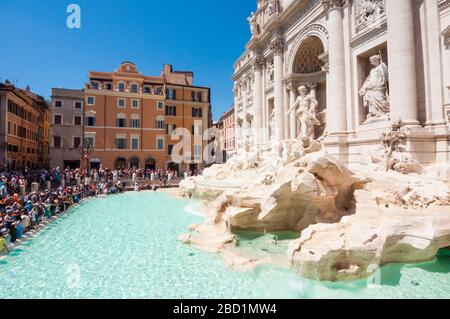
{"x": 167, "y": 110}
{"x": 200, "y": 112}
{"x": 174, "y": 111}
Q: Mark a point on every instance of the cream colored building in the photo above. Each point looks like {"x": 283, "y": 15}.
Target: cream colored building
{"x": 326, "y": 46}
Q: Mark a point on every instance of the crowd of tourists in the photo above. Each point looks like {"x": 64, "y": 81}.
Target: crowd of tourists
{"x": 30, "y": 198}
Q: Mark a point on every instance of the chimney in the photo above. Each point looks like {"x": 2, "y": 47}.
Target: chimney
{"x": 27, "y": 88}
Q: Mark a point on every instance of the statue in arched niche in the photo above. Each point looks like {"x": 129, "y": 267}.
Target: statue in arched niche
{"x": 305, "y": 108}
{"x": 375, "y": 91}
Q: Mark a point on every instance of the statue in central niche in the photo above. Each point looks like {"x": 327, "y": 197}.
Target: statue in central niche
{"x": 375, "y": 91}
{"x": 305, "y": 108}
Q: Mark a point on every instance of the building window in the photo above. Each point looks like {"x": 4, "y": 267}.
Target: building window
{"x": 121, "y": 103}
{"x": 121, "y": 143}
{"x": 171, "y": 111}
{"x": 77, "y": 120}
{"x": 89, "y": 141}
{"x": 196, "y": 112}
{"x": 160, "y": 105}
{"x": 169, "y": 149}
{"x": 135, "y": 104}
{"x": 135, "y": 123}
{"x": 147, "y": 89}
{"x": 171, "y": 129}
{"x": 90, "y": 100}
{"x": 57, "y": 142}
{"x": 160, "y": 124}
{"x": 196, "y": 130}
{"x": 171, "y": 94}
{"x": 134, "y": 88}
{"x": 58, "y": 103}
{"x": 121, "y": 122}
{"x": 9, "y": 127}
{"x": 94, "y": 85}
{"x": 135, "y": 143}
{"x": 57, "y": 119}
{"x": 89, "y": 120}
{"x": 196, "y": 96}
{"x": 108, "y": 86}
{"x": 121, "y": 87}
{"x": 76, "y": 141}
{"x": 78, "y": 105}
{"x": 160, "y": 143}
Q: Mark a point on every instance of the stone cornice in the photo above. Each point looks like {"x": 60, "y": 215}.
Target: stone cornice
{"x": 444, "y": 4}
{"x": 370, "y": 34}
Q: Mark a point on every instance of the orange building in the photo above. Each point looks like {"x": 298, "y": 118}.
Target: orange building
{"x": 23, "y": 115}
{"x": 226, "y": 125}
{"x": 129, "y": 118}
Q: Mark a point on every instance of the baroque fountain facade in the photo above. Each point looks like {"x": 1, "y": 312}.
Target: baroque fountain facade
{"x": 341, "y": 137}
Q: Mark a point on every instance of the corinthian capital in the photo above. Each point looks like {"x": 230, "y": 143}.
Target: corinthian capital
{"x": 258, "y": 63}
{"x": 277, "y": 47}
{"x": 333, "y": 4}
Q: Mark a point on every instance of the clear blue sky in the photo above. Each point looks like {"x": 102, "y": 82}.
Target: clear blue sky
{"x": 204, "y": 36}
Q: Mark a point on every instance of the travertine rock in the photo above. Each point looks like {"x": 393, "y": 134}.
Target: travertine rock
{"x": 359, "y": 244}
{"x": 350, "y": 224}
{"x": 313, "y": 189}
{"x": 390, "y": 226}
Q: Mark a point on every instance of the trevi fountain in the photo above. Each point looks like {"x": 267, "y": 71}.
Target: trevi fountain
{"x": 350, "y": 178}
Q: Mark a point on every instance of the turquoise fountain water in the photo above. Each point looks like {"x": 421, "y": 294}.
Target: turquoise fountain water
{"x": 126, "y": 246}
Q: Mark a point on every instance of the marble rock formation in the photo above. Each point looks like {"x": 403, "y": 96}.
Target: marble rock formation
{"x": 313, "y": 189}
{"x": 390, "y": 226}
{"x": 350, "y": 223}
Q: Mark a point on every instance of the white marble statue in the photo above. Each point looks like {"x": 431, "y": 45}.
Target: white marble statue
{"x": 305, "y": 110}
{"x": 374, "y": 89}
{"x": 272, "y": 124}
{"x": 274, "y": 7}
{"x": 271, "y": 8}
{"x": 254, "y": 27}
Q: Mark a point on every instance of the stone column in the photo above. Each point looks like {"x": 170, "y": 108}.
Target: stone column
{"x": 257, "y": 123}
{"x": 435, "y": 114}
{"x": 446, "y": 65}
{"x": 277, "y": 48}
{"x": 336, "y": 86}
{"x": 402, "y": 61}
{"x": 236, "y": 132}
{"x": 286, "y": 94}
{"x": 292, "y": 119}
{"x": 244, "y": 119}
